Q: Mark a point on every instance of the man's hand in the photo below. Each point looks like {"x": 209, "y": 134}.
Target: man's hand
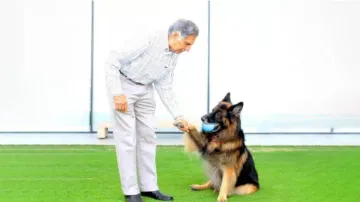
{"x": 182, "y": 125}
{"x": 121, "y": 103}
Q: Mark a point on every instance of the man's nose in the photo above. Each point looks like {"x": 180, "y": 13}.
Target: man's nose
{"x": 188, "y": 48}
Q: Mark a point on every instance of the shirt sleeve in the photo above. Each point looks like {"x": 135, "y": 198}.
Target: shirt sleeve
{"x": 167, "y": 96}
{"x": 124, "y": 53}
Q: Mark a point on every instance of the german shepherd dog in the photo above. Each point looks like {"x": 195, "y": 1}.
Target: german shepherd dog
{"x": 228, "y": 162}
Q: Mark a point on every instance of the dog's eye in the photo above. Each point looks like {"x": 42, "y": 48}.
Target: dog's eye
{"x": 218, "y": 115}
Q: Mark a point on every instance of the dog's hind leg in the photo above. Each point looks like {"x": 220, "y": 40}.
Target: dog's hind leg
{"x": 245, "y": 189}
{"x": 199, "y": 187}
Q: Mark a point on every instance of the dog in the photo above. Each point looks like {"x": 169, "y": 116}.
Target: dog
{"x": 229, "y": 164}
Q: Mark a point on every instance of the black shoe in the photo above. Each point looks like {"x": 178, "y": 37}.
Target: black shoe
{"x": 157, "y": 195}
{"x": 133, "y": 198}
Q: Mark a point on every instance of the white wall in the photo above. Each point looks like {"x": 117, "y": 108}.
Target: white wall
{"x": 45, "y": 64}
{"x": 295, "y": 64}
{"x": 116, "y": 21}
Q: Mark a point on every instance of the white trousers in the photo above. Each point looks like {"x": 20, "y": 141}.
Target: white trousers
{"x": 135, "y": 139}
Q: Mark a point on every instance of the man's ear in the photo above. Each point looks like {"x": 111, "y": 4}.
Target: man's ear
{"x": 175, "y": 35}
{"x": 227, "y": 98}
{"x": 236, "y": 109}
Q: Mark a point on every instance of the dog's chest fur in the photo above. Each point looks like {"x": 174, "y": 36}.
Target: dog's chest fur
{"x": 214, "y": 163}
{"x": 214, "y": 173}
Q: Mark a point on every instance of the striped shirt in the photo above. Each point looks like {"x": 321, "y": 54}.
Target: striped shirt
{"x": 146, "y": 60}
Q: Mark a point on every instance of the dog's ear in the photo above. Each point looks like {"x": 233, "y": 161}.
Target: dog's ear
{"x": 227, "y": 98}
{"x": 236, "y": 109}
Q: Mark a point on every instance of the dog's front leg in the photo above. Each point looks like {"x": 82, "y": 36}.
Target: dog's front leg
{"x": 196, "y": 137}
{"x": 227, "y": 184}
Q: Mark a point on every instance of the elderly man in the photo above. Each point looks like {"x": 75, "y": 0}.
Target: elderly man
{"x": 132, "y": 73}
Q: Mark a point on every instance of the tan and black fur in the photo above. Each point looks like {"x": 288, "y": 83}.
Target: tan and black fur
{"x": 228, "y": 162}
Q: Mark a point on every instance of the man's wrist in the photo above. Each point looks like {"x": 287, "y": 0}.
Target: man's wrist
{"x": 178, "y": 118}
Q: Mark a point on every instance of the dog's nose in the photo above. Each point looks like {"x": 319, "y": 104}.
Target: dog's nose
{"x": 203, "y": 118}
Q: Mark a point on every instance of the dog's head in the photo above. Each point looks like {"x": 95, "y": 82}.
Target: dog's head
{"x": 225, "y": 116}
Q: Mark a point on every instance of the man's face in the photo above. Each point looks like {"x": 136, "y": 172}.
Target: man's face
{"x": 179, "y": 45}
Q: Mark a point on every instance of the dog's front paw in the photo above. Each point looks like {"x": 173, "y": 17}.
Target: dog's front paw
{"x": 196, "y": 187}
{"x": 191, "y": 127}
{"x": 222, "y": 198}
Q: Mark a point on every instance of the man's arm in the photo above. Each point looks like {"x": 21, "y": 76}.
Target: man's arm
{"x": 167, "y": 96}
{"x": 123, "y": 54}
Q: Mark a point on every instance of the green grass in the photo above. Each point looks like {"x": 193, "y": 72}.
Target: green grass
{"x": 89, "y": 174}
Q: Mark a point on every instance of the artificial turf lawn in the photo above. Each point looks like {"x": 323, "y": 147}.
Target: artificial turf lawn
{"x": 89, "y": 174}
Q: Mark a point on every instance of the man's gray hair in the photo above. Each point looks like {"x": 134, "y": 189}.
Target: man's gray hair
{"x": 184, "y": 28}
